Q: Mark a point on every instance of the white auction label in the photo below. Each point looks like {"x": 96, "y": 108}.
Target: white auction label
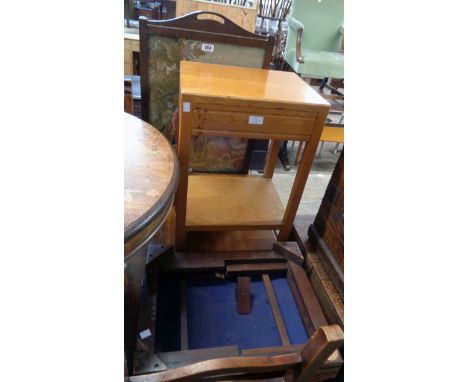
{"x": 145, "y": 334}
{"x": 207, "y": 47}
{"x": 255, "y": 120}
{"x": 186, "y": 107}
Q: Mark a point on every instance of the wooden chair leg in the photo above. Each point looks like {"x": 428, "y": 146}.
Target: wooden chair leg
{"x": 299, "y": 152}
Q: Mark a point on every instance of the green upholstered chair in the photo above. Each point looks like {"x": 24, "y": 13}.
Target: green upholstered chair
{"x": 315, "y": 29}
{"x": 163, "y": 44}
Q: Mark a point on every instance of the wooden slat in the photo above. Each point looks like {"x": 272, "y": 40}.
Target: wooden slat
{"x": 289, "y": 250}
{"x": 183, "y": 316}
{"x": 306, "y": 320}
{"x": 243, "y": 297}
{"x": 307, "y": 295}
{"x": 274, "y": 350}
{"x": 276, "y": 310}
{"x": 253, "y": 269}
{"x": 214, "y": 261}
{"x": 182, "y": 358}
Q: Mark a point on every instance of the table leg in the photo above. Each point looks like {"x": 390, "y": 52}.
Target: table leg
{"x": 183, "y": 151}
{"x": 271, "y": 159}
{"x": 134, "y": 272}
{"x": 301, "y": 177}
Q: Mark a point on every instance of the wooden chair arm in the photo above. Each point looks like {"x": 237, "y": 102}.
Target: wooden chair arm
{"x": 317, "y": 350}
{"x": 299, "y": 28}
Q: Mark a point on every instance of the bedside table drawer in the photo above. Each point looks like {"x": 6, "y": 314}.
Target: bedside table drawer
{"x": 248, "y": 125}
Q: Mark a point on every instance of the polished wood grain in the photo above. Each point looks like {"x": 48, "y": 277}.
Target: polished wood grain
{"x": 228, "y": 202}
{"x": 217, "y": 122}
{"x": 223, "y": 366}
{"x": 151, "y": 175}
{"x": 218, "y": 100}
{"x": 257, "y": 85}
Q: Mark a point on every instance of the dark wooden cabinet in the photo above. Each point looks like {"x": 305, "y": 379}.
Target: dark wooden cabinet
{"x": 327, "y": 232}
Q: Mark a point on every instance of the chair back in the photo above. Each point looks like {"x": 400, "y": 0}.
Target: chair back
{"x": 322, "y": 21}
{"x": 163, "y": 44}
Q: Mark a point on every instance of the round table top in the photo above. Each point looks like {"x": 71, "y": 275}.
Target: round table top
{"x": 151, "y": 179}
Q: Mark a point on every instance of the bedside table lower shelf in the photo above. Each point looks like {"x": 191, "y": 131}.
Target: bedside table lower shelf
{"x": 232, "y": 202}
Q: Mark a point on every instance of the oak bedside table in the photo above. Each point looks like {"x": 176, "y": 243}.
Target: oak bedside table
{"x": 227, "y": 101}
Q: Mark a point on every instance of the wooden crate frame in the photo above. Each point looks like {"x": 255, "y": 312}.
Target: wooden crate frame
{"x": 184, "y": 264}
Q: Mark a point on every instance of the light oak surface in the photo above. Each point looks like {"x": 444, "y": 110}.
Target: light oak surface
{"x": 243, "y": 102}
{"x": 233, "y": 82}
{"x": 220, "y": 202}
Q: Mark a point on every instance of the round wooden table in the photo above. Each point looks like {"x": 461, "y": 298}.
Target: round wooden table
{"x": 151, "y": 178}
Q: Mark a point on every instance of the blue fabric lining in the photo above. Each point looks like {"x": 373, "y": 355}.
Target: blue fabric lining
{"x": 212, "y": 318}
